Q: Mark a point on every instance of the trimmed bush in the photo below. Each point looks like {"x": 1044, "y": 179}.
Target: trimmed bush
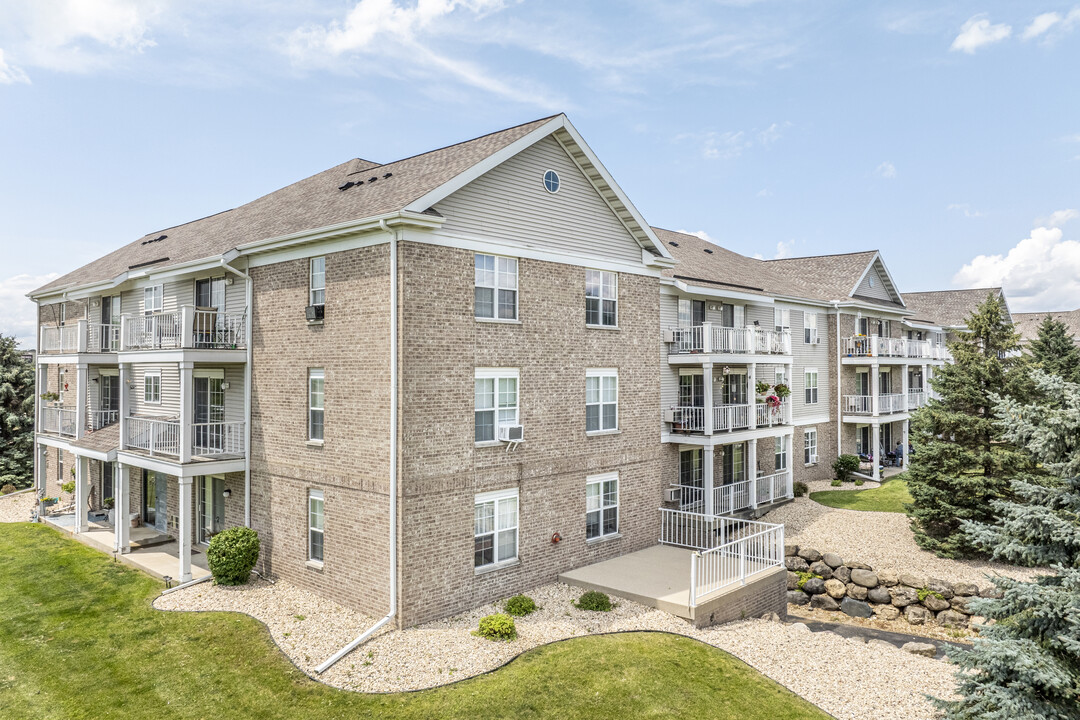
{"x": 7, "y": 489}
{"x": 520, "y": 605}
{"x": 799, "y": 489}
{"x": 844, "y": 466}
{"x": 595, "y": 601}
{"x": 499, "y": 626}
{"x": 835, "y": 483}
{"x": 68, "y": 487}
{"x": 858, "y": 481}
{"x": 232, "y": 555}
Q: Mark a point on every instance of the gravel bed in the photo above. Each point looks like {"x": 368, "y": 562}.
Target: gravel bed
{"x": 17, "y": 507}
{"x": 820, "y": 485}
{"x": 882, "y": 540}
{"x": 824, "y": 668}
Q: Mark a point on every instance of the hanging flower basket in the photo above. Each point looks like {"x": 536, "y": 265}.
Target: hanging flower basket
{"x": 772, "y": 401}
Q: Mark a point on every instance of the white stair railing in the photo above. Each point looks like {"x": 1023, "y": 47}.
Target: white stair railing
{"x": 736, "y": 560}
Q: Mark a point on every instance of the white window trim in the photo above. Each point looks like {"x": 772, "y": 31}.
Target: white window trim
{"x": 147, "y": 376}
{"x": 782, "y": 439}
{"x": 496, "y": 374}
{"x": 311, "y": 280}
{"x": 816, "y": 386}
{"x": 157, "y": 296}
{"x": 780, "y": 376}
{"x": 601, "y": 326}
{"x": 600, "y": 480}
{"x": 516, "y": 320}
{"x": 602, "y": 373}
{"x": 494, "y": 497}
{"x": 783, "y": 315}
{"x": 810, "y": 328}
{"x": 316, "y": 373}
{"x": 807, "y": 433}
{"x": 314, "y": 494}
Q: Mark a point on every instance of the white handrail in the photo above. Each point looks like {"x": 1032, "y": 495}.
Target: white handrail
{"x": 734, "y": 561}
{"x": 158, "y": 437}
{"x": 690, "y": 418}
{"x": 858, "y": 404}
{"x": 213, "y": 329}
{"x": 103, "y": 337}
{"x": 58, "y": 421}
{"x": 731, "y": 417}
{"x": 731, "y": 497}
{"x": 103, "y": 418}
{"x": 710, "y": 338}
{"x": 153, "y": 332}
{"x": 217, "y": 438}
{"x": 767, "y": 415}
{"x": 891, "y": 403}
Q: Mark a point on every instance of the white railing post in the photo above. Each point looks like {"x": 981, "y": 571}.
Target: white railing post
{"x": 693, "y": 578}
{"x": 82, "y": 380}
{"x": 81, "y": 338}
{"x": 706, "y": 339}
{"x": 187, "y": 410}
{"x": 707, "y": 379}
{"x": 187, "y": 326}
{"x": 751, "y": 383}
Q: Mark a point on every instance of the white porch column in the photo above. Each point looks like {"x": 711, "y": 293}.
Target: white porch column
{"x": 875, "y": 441}
{"x": 751, "y": 392}
{"x": 904, "y": 387}
{"x": 81, "y": 381}
{"x": 125, "y": 401}
{"x": 184, "y": 531}
{"x": 875, "y": 389}
{"x": 707, "y": 381}
{"x": 790, "y": 480}
{"x": 122, "y": 508}
{"x": 928, "y": 373}
{"x": 708, "y": 460}
{"x": 82, "y": 491}
{"x": 751, "y": 470}
{"x": 706, "y": 338}
{"x": 907, "y": 455}
{"x": 187, "y": 410}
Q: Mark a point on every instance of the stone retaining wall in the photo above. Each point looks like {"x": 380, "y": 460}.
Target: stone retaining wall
{"x": 827, "y": 582}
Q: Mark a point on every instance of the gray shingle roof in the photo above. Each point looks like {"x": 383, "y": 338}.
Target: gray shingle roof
{"x": 827, "y": 277}
{"x": 1027, "y": 324}
{"x": 948, "y": 308}
{"x": 310, "y": 203}
{"x": 720, "y": 268}
{"x": 104, "y": 440}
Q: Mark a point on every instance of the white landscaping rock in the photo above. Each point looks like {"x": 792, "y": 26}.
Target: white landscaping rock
{"x": 17, "y": 507}
{"x": 918, "y": 648}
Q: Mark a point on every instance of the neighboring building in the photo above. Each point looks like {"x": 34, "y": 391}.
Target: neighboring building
{"x": 1027, "y": 324}
{"x": 950, "y": 309}
{"x": 436, "y": 382}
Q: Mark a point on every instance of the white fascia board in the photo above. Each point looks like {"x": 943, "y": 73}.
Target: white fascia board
{"x": 870, "y": 307}
{"x": 53, "y": 441}
{"x": 719, "y": 293}
{"x": 921, "y": 325}
{"x": 888, "y": 276}
{"x": 339, "y": 230}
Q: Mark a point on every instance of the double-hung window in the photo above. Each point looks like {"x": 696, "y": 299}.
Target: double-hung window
{"x": 316, "y": 392}
{"x": 495, "y": 528}
{"x": 496, "y": 292}
{"x": 780, "y": 454}
{"x": 811, "y": 386}
{"x": 781, "y": 319}
{"x": 496, "y": 393}
{"x": 153, "y": 299}
{"x": 810, "y": 446}
{"x": 810, "y": 336}
{"x": 601, "y": 400}
{"x": 317, "y": 281}
{"x": 152, "y": 388}
{"x": 316, "y": 525}
{"x": 601, "y": 505}
{"x": 601, "y": 298}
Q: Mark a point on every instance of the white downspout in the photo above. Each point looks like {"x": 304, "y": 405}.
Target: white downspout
{"x": 839, "y": 387}
{"x": 393, "y": 457}
{"x": 248, "y": 293}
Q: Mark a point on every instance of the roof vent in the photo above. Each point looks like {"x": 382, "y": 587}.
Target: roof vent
{"x": 346, "y": 186}
{"x": 672, "y": 243}
{"x": 388, "y": 175}
{"x": 371, "y": 180}
{"x": 708, "y": 251}
{"x": 159, "y": 238}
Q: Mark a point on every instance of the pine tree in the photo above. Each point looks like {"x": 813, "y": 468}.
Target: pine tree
{"x": 1055, "y": 350}
{"x": 1027, "y": 665}
{"x": 960, "y": 463}
{"x": 16, "y": 416}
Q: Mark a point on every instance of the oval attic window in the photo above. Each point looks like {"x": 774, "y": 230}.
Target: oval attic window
{"x": 551, "y": 181}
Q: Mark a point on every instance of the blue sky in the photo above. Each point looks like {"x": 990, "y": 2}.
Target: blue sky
{"x": 947, "y": 137}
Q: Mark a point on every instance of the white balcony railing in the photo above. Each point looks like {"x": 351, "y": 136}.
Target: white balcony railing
{"x": 731, "y": 498}
{"x": 58, "y": 421}
{"x": 710, "y": 338}
{"x": 157, "y": 437}
{"x": 688, "y": 419}
{"x": 59, "y": 339}
{"x": 916, "y": 399}
{"x": 162, "y": 437}
{"x": 876, "y": 346}
{"x": 891, "y": 403}
{"x": 99, "y": 419}
{"x": 103, "y": 337}
{"x": 731, "y": 417}
{"x": 160, "y": 330}
{"x": 219, "y": 438}
{"x": 858, "y": 405}
{"x": 755, "y": 548}
{"x": 184, "y": 328}
{"x": 214, "y": 329}
{"x": 773, "y": 487}
{"x": 768, "y": 415}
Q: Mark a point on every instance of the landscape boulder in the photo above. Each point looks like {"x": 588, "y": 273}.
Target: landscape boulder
{"x": 951, "y": 618}
{"x": 820, "y": 568}
{"x": 832, "y": 560}
{"x": 856, "y": 591}
{"x": 842, "y": 574}
{"x": 886, "y": 612}
{"x": 796, "y": 564}
{"x": 965, "y": 588}
{"x": 941, "y": 587}
{"x": 913, "y": 580}
{"x": 960, "y": 604}
{"x": 855, "y": 608}
{"x": 902, "y": 596}
{"x": 810, "y": 555}
{"x": 797, "y": 597}
{"x": 790, "y": 549}
{"x": 934, "y": 603}
{"x": 835, "y": 589}
{"x": 866, "y": 578}
{"x": 879, "y": 594}
{"x": 824, "y": 602}
{"x": 917, "y": 614}
{"x": 814, "y": 586}
{"x": 918, "y": 648}
{"x": 858, "y": 566}
{"x": 888, "y": 578}
{"x": 993, "y": 591}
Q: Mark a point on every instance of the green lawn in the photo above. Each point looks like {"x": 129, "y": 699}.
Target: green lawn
{"x": 79, "y": 639}
{"x": 890, "y": 497}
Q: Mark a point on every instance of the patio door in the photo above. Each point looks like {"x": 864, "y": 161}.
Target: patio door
{"x": 110, "y": 321}
{"x": 691, "y": 312}
{"x": 885, "y": 382}
{"x": 211, "y": 510}
{"x": 209, "y": 295}
{"x": 734, "y": 463}
{"x": 155, "y": 493}
{"x": 692, "y": 390}
{"x": 735, "y": 391}
{"x": 109, "y": 406}
{"x": 862, "y": 439}
{"x": 209, "y": 405}
{"x": 862, "y": 382}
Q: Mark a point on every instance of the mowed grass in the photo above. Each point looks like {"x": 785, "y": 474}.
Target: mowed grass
{"x": 79, "y": 639}
{"x": 890, "y": 497}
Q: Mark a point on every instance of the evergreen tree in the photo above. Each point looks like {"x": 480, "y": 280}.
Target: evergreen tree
{"x": 960, "y": 463}
{"x": 1055, "y": 350}
{"x": 16, "y": 416}
{"x": 1027, "y": 665}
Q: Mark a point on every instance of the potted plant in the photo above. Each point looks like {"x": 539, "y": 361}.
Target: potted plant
{"x": 50, "y": 397}
{"x": 782, "y": 391}
{"x": 762, "y": 388}
{"x": 109, "y": 504}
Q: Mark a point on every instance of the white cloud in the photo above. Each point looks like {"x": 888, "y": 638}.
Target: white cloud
{"x": 783, "y": 250}
{"x": 732, "y": 143}
{"x": 1052, "y": 25}
{"x": 764, "y": 192}
{"x": 700, "y": 234}
{"x": 1060, "y": 217}
{"x": 886, "y": 170}
{"x": 1042, "y": 272}
{"x": 10, "y": 74}
{"x": 19, "y": 317}
{"x": 965, "y": 209}
{"x": 1041, "y": 24}
{"x": 978, "y": 32}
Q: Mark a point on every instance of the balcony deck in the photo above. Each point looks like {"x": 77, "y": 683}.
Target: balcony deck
{"x": 862, "y": 348}
{"x": 714, "y": 343}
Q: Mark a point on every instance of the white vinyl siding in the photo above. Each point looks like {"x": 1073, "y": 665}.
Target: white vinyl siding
{"x": 495, "y": 528}
{"x": 510, "y": 204}
{"x": 495, "y": 296}
{"x": 806, "y": 356}
{"x": 873, "y": 287}
{"x": 601, "y": 505}
{"x": 496, "y": 402}
{"x": 601, "y": 400}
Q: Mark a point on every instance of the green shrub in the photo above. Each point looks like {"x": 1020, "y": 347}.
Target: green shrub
{"x": 499, "y": 626}
{"x": 927, "y": 592}
{"x": 520, "y": 605}
{"x": 108, "y": 503}
{"x": 844, "y": 466}
{"x": 858, "y": 481}
{"x": 804, "y": 576}
{"x": 232, "y": 555}
{"x": 799, "y": 489}
{"x": 595, "y": 601}
{"x": 835, "y": 483}
{"x": 7, "y": 489}
{"x": 68, "y": 487}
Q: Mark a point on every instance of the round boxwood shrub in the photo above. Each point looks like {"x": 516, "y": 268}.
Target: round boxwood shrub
{"x": 844, "y": 466}
{"x": 232, "y": 555}
{"x": 595, "y": 601}
{"x": 499, "y": 626}
{"x": 520, "y": 605}
{"x": 799, "y": 489}
{"x": 7, "y": 489}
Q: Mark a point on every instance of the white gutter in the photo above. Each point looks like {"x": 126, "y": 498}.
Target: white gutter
{"x": 839, "y": 384}
{"x": 248, "y": 292}
{"x": 393, "y": 457}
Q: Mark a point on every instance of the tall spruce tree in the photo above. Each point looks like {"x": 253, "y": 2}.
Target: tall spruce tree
{"x": 1027, "y": 665}
{"x": 16, "y": 416}
{"x": 961, "y": 462}
{"x": 1055, "y": 350}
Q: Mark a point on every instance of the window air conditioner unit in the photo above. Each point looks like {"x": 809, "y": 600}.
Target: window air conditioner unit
{"x": 669, "y": 415}
{"x": 813, "y": 459}
{"x": 314, "y": 312}
{"x": 669, "y": 336}
{"x": 511, "y": 433}
{"x": 672, "y": 494}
